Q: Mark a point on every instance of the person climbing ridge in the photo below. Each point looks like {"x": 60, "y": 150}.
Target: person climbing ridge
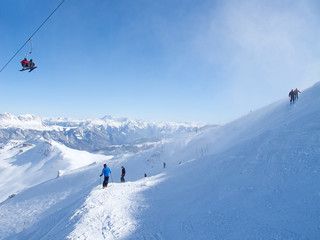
{"x": 291, "y": 95}
{"x": 296, "y": 93}
{"x": 106, "y": 172}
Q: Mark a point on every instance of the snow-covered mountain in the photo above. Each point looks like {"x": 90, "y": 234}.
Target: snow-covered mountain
{"x": 27, "y": 163}
{"x": 254, "y": 178}
{"x": 36, "y": 147}
{"x": 106, "y": 134}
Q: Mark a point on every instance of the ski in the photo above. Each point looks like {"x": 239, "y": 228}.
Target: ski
{"x": 32, "y": 69}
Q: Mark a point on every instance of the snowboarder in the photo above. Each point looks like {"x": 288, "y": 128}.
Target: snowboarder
{"x": 123, "y": 173}
{"x": 145, "y": 175}
{"x": 291, "y": 95}
{"x": 296, "y": 92}
{"x": 25, "y": 63}
{"x": 164, "y": 165}
{"x": 106, "y": 172}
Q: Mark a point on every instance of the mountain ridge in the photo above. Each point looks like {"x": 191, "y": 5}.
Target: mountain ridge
{"x": 92, "y": 134}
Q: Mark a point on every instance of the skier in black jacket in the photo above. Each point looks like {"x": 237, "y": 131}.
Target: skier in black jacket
{"x": 292, "y": 96}
{"x": 123, "y": 173}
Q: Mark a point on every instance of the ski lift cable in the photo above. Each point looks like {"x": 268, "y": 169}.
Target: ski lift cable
{"x": 30, "y": 38}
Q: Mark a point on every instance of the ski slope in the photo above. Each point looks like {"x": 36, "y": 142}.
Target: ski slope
{"x": 254, "y": 178}
{"x": 27, "y": 163}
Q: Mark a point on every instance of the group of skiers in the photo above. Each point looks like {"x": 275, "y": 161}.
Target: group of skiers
{"x": 293, "y": 94}
{"x": 106, "y": 172}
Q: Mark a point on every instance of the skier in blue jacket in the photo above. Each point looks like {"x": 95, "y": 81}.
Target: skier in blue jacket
{"x": 106, "y": 172}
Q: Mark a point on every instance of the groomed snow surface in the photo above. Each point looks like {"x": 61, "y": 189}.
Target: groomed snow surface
{"x": 255, "y": 178}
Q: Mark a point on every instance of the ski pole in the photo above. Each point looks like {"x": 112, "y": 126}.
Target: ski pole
{"x": 111, "y": 177}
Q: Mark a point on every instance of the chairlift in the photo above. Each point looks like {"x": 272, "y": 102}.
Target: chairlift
{"x": 28, "y": 65}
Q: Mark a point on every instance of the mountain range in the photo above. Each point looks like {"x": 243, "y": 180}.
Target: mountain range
{"x": 107, "y": 134}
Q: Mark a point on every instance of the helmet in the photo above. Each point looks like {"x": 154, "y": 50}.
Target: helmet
{"x": 105, "y": 165}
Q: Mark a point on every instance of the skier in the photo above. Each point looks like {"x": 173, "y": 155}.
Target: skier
{"x": 291, "y": 95}
{"x": 24, "y": 63}
{"x": 31, "y": 64}
{"x": 106, "y": 172}
{"x": 164, "y": 165}
{"x": 123, "y": 173}
{"x": 296, "y": 92}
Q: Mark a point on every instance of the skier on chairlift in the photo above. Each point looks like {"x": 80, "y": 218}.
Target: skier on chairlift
{"x": 31, "y": 64}
{"x": 25, "y": 63}
{"x": 28, "y": 65}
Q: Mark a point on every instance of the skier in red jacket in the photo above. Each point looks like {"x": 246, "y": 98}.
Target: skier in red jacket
{"x": 296, "y": 92}
{"x": 25, "y": 63}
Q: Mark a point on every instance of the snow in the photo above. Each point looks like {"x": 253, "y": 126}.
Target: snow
{"x": 110, "y": 220}
{"x": 27, "y": 121}
{"x": 254, "y": 178}
{"x": 27, "y": 163}
{"x": 93, "y": 135}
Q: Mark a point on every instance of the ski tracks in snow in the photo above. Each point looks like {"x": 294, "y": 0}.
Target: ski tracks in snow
{"x": 112, "y": 213}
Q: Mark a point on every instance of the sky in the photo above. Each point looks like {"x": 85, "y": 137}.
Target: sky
{"x": 168, "y": 60}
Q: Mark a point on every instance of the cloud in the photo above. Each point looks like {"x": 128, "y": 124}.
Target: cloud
{"x": 274, "y": 42}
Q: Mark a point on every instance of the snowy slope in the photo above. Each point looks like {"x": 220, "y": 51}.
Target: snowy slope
{"x": 27, "y": 163}
{"x": 254, "y": 178}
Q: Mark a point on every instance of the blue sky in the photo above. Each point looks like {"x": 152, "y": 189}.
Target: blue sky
{"x": 167, "y": 60}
